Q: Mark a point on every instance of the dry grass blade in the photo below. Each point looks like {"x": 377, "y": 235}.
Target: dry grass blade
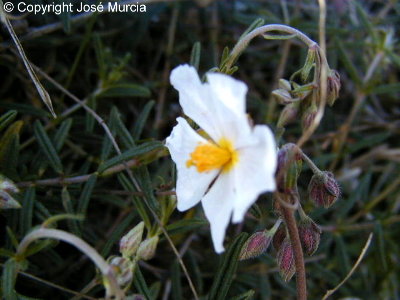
{"x": 362, "y": 254}
{"x": 41, "y": 90}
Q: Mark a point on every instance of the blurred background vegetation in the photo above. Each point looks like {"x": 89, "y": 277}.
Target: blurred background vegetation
{"x": 119, "y": 64}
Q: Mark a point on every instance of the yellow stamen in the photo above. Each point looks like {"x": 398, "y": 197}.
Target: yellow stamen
{"x": 210, "y": 156}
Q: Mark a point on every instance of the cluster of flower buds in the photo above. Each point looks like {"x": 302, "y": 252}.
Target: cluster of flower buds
{"x": 323, "y": 189}
{"x": 301, "y": 99}
{"x": 132, "y": 249}
{"x": 7, "y": 187}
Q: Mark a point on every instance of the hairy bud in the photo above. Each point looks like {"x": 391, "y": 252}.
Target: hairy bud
{"x": 285, "y": 260}
{"x": 123, "y": 269}
{"x": 147, "y": 248}
{"x": 308, "y": 117}
{"x": 289, "y": 168}
{"x": 7, "y": 185}
{"x": 279, "y": 237}
{"x": 288, "y": 114}
{"x": 310, "y": 235}
{"x": 284, "y": 84}
{"x": 255, "y": 245}
{"x": 323, "y": 189}
{"x": 333, "y": 87}
{"x": 7, "y": 202}
{"x": 131, "y": 241}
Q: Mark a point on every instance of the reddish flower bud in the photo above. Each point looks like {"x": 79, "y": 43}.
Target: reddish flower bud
{"x": 285, "y": 260}
{"x": 289, "y": 168}
{"x": 323, "y": 189}
{"x": 310, "y": 235}
{"x": 255, "y": 245}
{"x": 279, "y": 237}
{"x": 308, "y": 117}
{"x": 333, "y": 87}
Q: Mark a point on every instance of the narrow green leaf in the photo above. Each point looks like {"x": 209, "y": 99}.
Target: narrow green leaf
{"x": 100, "y": 56}
{"x": 176, "y": 283}
{"x": 131, "y": 153}
{"x": 141, "y": 121}
{"x": 224, "y": 57}
{"x": 227, "y": 269}
{"x": 121, "y": 131}
{"x": 125, "y": 90}
{"x": 386, "y": 89}
{"x": 381, "y": 245}
{"x": 65, "y": 16}
{"x": 62, "y": 134}
{"x": 9, "y": 149}
{"x": 141, "y": 285}
{"x": 8, "y": 279}
{"x": 256, "y": 23}
{"x": 185, "y": 225}
{"x": 138, "y": 202}
{"x": 366, "y": 24}
{"x": 143, "y": 177}
{"x": 47, "y": 147}
{"x": 26, "y": 213}
{"x": 7, "y": 118}
{"x": 86, "y": 195}
{"x": 195, "y": 55}
{"x": 69, "y": 209}
{"x": 342, "y": 255}
{"x": 245, "y": 296}
{"x": 107, "y": 145}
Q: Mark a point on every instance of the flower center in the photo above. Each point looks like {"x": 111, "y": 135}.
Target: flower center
{"x": 210, "y": 156}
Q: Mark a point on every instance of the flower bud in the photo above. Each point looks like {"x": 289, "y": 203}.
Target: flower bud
{"x": 308, "y": 116}
{"x": 131, "y": 241}
{"x": 255, "y": 245}
{"x": 333, "y": 87}
{"x": 284, "y": 85}
{"x": 147, "y": 248}
{"x": 285, "y": 260}
{"x": 310, "y": 235}
{"x": 123, "y": 269}
{"x": 7, "y": 185}
{"x": 279, "y": 237}
{"x": 323, "y": 189}
{"x": 6, "y": 201}
{"x": 288, "y": 114}
{"x": 282, "y": 96}
{"x": 289, "y": 168}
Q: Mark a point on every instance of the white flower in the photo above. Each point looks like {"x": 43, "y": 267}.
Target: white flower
{"x": 232, "y": 164}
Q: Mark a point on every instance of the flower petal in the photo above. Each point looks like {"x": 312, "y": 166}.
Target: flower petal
{"x": 255, "y": 171}
{"x": 218, "y": 205}
{"x": 191, "y": 185}
{"x": 218, "y": 106}
{"x": 192, "y": 98}
{"x": 229, "y": 91}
